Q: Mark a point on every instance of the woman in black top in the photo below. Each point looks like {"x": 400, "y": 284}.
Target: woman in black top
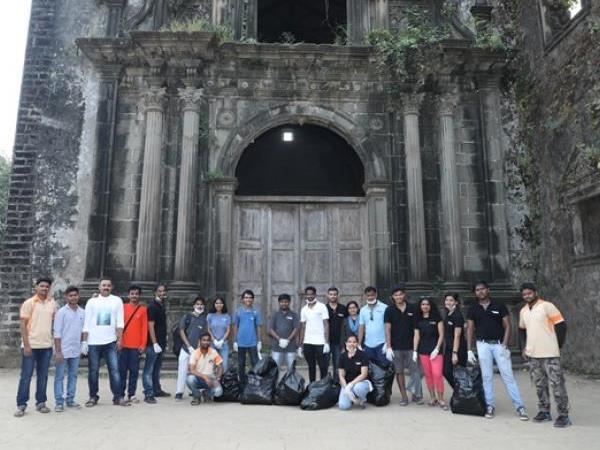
{"x": 353, "y": 372}
{"x": 455, "y": 345}
{"x": 428, "y": 341}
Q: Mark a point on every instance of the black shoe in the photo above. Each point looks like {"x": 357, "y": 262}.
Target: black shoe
{"x": 195, "y": 401}
{"x": 121, "y": 402}
{"x": 522, "y": 413}
{"x": 149, "y": 399}
{"x": 542, "y": 416}
{"x": 162, "y": 393}
{"x": 562, "y": 422}
{"x": 93, "y": 401}
{"x": 178, "y": 397}
{"x": 489, "y": 412}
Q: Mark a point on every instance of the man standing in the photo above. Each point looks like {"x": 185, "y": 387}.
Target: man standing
{"x": 135, "y": 336}
{"x": 489, "y": 322}
{"x": 206, "y": 370}
{"x": 36, "y": 317}
{"x": 68, "y": 329}
{"x": 337, "y": 314}
{"x": 157, "y": 342}
{"x": 284, "y": 333}
{"x": 543, "y": 329}
{"x": 371, "y": 330}
{"x": 247, "y": 325}
{"x": 102, "y": 334}
{"x": 314, "y": 334}
{"x": 399, "y": 334}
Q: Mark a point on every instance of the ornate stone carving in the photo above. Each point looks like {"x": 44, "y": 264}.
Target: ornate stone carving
{"x": 411, "y": 103}
{"x": 191, "y": 98}
{"x": 447, "y": 102}
{"x": 153, "y": 99}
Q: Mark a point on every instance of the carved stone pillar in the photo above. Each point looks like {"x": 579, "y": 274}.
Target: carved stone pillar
{"x": 379, "y": 14}
{"x": 221, "y": 234}
{"x": 188, "y": 175}
{"x": 358, "y": 21}
{"x": 417, "y": 249}
{"x": 148, "y": 239}
{"x": 379, "y": 233}
{"x": 115, "y": 16}
{"x": 449, "y": 198}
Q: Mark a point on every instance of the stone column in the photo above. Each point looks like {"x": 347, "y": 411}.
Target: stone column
{"x": 417, "y": 249}
{"x": 379, "y": 233}
{"x": 358, "y": 21}
{"x": 494, "y": 177}
{"x": 221, "y": 234}
{"x": 148, "y": 239}
{"x": 188, "y": 175}
{"x": 451, "y": 235}
{"x": 115, "y": 16}
{"x": 379, "y": 14}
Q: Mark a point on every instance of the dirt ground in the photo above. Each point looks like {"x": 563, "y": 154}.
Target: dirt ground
{"x": 171, "y": 425}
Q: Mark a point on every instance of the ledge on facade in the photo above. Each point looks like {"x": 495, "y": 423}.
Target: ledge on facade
{"x": 587, "y": 260}
{"x": 556, "y": 39}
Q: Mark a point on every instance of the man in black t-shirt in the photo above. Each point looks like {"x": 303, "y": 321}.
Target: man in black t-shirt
{"x": 489, "y": 321}
{"x": 337, "y": 314}
{"x": 157, "y": 343}
{"x": 399, "y": 321}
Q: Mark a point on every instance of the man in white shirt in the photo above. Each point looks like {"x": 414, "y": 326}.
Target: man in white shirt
{"x": 314, "y": 334}
{"x": 102, "y": 332}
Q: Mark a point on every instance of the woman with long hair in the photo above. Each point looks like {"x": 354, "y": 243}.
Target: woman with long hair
{"x": 219, "y": 327}
{"x": 350, "y": 323}
{"x": 455, "y": 345}
{"x": 353, "y": 373}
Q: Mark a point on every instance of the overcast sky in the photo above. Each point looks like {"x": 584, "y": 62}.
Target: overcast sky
{"x": 14, "y": 20}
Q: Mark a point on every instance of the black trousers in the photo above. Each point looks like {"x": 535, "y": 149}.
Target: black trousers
{"x": 449, "y": 367}
{"x": 314, "y": 355}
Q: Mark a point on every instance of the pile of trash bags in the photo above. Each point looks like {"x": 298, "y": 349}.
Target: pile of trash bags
{"x": 260, "y": 385}
{"x": 231, "y": 386}
{"x": 291, "y": 388}
{"x": 321, "y": 394}
{"x": 382, "y": 379}
{"x": 468, "y": 395}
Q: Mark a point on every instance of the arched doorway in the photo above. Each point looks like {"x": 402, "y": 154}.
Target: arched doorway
{"x": 300, "y": 216}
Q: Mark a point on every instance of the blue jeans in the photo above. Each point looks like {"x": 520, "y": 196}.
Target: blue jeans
{"x": 242, "y": 360}
{"x": 334, "y": 357}
{"x": 109, "y": 353}
{"x": 151, "y": 374}
{"x": 360, "y": 389}
{"x": 374, "y": 354}
{"x": 224, "y": 352}
{"x": 487, "y": 354}
{"x": 289, "y": 357}
{"x": 129, "y": 362}
{"x": 198, "y": 384}
{"x": 72, "y": 366}
{"x": 40, "y": 358}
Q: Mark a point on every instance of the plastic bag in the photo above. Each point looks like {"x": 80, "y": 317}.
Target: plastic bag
{"x": 468, "y": 395}
{"x": 321, "y": 394}
{"x": 290, "y": 389}
{"x": 231, "y": 386}
{"x": 382, "y": 379}
{"x": 260, "y": 384}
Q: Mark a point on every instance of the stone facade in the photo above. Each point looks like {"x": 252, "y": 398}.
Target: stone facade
{"x": 130, "y": 133}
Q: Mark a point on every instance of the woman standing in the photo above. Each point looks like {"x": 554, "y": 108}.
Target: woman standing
{"x": 455, "y": 345}
{"x": 350, "y": 324}
{"x": 428, "y": 341}
{"x": 219, "y": 327}
{"x": 353, "y": 372}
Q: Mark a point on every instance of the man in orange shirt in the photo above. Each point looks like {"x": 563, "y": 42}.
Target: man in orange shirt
{"x": 37, "y": 315}
{"x": 135, "y": 335}
{"x": 206, "y": 369}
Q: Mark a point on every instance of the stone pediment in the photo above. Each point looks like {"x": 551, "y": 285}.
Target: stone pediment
{"x": 580, "y": 177}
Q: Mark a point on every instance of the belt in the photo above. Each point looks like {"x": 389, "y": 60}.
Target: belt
{"x": 489, "y": 341}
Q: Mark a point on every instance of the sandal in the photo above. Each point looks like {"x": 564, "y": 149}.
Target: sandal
{"x": 93, "y": 401}
{"x": 433, "y": 402}
{"x": 443, "y": 405}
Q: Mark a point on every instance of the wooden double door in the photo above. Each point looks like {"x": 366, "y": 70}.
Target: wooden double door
{"x": 284, "y": 247}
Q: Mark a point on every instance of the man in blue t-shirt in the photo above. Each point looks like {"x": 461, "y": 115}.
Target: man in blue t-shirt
{"x": 371, "y": 330}
{"x": 247, "y": 325}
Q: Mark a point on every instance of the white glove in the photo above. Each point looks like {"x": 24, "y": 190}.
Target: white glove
{"x": 220, "y": 344}
{"x": 157, "y": 348}
{"x": 215, "y": 343}
{"x": 434, "y": 353}
{"x": 389, "y": 354}
{"x": 258, "y": 346}
{"x": 190, "y": 349}
{"x": 471, "y": 357}
{"x": 300, "y": 353}
{"x": 384, "y": 349}
{"x": 283, "y": 343}
{"x": 415, "y": 356}
{"x": 506, "y": 352}
{"x": 84, "y": 348}
{"x": 326, "y": 348}
{"x": 235, "y": 347}
{"x": 349, "y": 393}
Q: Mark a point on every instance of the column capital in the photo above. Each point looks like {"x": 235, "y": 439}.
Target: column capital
{"x": 412, "y": 102}
{"x": 191, "y": 98}
{"x": 153, "y": 99}
{"x": 447, "y": 102}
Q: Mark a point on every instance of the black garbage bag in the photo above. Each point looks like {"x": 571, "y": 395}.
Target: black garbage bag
{"x": 382, "y": 379}
{"x": 260, "y": 383}
{"x": 468, "y": 395}
{"x": 231, "y": 386}
{"x": 321, "y": 394}
{"x": 290, "y": 389}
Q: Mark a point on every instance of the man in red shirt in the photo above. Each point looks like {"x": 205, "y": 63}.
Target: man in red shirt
{"x": 135, "y": 335}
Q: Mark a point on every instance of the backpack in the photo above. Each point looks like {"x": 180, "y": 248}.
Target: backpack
{"x": 177, "y": 342}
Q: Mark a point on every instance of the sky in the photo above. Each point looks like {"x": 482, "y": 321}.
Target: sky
{"x": 14, "y": 20}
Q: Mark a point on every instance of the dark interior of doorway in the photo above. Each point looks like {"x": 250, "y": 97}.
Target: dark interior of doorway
{"x": 300, "y": 160}
{"x": 294, "y": 21}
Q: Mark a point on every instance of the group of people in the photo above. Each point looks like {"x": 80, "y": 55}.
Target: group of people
{"x": 414, "y": 338}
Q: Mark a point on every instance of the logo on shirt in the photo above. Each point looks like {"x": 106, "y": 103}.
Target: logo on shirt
{"x": 340, "y": 315}
{"x": 410, "y": 314}
{"x": 289, "y": 317}
{"x": 495, "y": 312}
{"x": 450, "y": 323}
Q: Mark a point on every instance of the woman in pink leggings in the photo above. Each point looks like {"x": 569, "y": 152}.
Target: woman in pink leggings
{"x": 429, "y": 337}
